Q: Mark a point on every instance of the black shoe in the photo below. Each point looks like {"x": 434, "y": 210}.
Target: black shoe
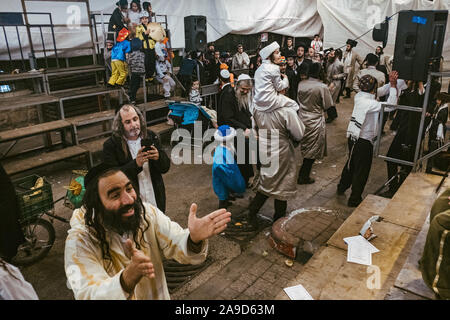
{"x": 340, "y": 192}
{"x": 110, "y": 86}
{"x": 329, "y": 120}
{"x": 305, "y": 181}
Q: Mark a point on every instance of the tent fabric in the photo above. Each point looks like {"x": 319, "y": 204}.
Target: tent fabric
{"x": 336, "y": 20}
{"x": 349, "y": 19}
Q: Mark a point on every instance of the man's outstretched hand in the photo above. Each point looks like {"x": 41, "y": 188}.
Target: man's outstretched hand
{"x": 203, "y": 228}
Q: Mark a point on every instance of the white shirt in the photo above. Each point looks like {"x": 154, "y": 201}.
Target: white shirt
{"x": 316, "y": 45}
{"x": 369, "y": 129}
{"x": 348, "y": 62}
{"x": 135, "y": 17}
{"x": 15, "y": 289}
{"x": 145, "y": 180}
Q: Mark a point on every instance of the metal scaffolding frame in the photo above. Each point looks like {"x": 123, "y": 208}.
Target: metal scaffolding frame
{"x": 416, "y": 160}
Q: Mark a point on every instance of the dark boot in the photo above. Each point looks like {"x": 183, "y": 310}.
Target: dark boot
{"x": 332, "y": 114}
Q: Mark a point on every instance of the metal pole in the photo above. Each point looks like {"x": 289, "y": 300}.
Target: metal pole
{"x": 422, "y": 121}
{"x": 380, "y": 124}
{"x": 43, "y": 46}
{"x": 27, "y": 25}
{"x": 54, "y": 41}
{"x": 20, "y": 46}
{"x": 94, "y": 55}
{"x": 9, "y": 51}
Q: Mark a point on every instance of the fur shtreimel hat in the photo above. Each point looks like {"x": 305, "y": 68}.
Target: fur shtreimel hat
{"x": 351, "y": 42}
{"x": 224, "y": 133}
{"x": 267, "y": 51}
{"x": 122, "y": 3}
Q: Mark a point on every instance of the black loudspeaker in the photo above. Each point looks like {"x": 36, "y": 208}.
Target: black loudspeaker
{"x": 381, "y": 31}
{"x": 418, "y": 44}
{"x": 195, "y": 33}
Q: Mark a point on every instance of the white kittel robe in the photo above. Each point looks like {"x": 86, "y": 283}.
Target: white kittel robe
{"x": 93, "y": 278}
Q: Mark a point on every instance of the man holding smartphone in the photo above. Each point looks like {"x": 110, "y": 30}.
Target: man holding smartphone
{"x": 138, "y": 153}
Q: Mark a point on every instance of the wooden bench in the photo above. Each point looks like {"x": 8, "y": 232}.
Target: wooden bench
{"x": 328, "y": 275}
{"x": 93, "y": 147}
{"x": 22, "y": 165}
{"x": 157, "y": 105}
{"x": 84, "y": 93}
{"x": 26, "y": 101}
{"x": 15, "y": 135}
{"x": 409, "y": 284}
{"x": 161, "y": 129}
{"x": 89, "y": 119}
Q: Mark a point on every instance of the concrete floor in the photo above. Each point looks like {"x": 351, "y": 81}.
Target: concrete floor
{"x": 186, "y": 184}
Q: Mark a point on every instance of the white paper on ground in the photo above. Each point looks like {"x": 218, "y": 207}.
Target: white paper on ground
{"x": 298, "y": 292}
{"x": 363, "y": 241}
{"x": 359, "y": 253}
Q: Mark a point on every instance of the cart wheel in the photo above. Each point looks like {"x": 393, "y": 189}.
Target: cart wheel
{"x": 39, "y": 238}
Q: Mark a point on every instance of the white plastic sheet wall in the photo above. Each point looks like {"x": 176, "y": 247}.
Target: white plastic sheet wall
{"x": 337, "y": 20}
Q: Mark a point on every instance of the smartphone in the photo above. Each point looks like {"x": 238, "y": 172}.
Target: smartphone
{"x": 147, "y": 143}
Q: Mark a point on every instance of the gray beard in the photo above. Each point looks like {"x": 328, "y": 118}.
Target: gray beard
{"x": 242, "y": 100}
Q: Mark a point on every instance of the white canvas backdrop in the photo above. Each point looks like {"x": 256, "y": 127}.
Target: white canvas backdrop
{"x": 337, "y": 20}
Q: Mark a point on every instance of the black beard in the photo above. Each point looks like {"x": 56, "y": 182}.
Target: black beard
{"x": 112, "y": 219}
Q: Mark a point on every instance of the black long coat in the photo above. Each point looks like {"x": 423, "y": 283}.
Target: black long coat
{"x": 113, "y": 154}
{"x": 11, "y": 235}
{"x": 228, "y": 111}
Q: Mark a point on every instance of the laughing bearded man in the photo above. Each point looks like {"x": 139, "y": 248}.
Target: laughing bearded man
{"x": 116, "y": 244}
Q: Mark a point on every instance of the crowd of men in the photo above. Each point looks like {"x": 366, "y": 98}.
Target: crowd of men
{"x": 120, "y": 236}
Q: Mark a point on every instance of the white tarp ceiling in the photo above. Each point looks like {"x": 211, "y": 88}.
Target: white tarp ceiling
{"x": 337, "y": 20}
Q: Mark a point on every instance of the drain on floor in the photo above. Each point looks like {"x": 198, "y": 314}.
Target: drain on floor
{"x": 178, "y": 274}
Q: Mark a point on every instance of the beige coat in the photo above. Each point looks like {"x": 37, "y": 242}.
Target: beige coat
{"x": 353, "y": 68}
{"x": 314, "y": 98}
{"x": 92, "y": 278}
{"x": 279, "y": 170}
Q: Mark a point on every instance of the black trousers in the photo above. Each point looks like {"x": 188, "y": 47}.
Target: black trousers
{"x": 356, "y": 170}
{"x": 332, "y": 112}
{"x": 258, "y": 202}
{"x": 150, "y": 63}
{"x": 246, "y": 168}
{"x": 135, "y": 83}
{"x": 305, "y": 170}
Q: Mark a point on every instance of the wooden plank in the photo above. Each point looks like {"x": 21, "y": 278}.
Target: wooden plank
{"x": 18, "y": 166}
{"x": 91, "y": 118}
{"x": 410, "y": 277}
{"x": 350, "y": 281}
{"x": 21, "y": 76}
{"x": 81, "y": 93}
{"x": 320, "y": 270}
{"x": 26, "y": 101}
{"x": 94, "y": 146}
{"x": 24, "y": 132}
{"x": 70, "y": 70}
{"x": 412, "y": 202}
{"x": 399, "y": 294}
{"x": 158, "y": 104}
{"x": 372, "y": 205}
{"x": 160, "y": 128}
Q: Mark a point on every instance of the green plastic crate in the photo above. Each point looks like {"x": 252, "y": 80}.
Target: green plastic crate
{"x": 33, "y": 202}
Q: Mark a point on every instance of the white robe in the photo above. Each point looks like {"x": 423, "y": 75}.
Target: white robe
{"x": 268, "y": 84}
{"x": 92, "y": 278}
